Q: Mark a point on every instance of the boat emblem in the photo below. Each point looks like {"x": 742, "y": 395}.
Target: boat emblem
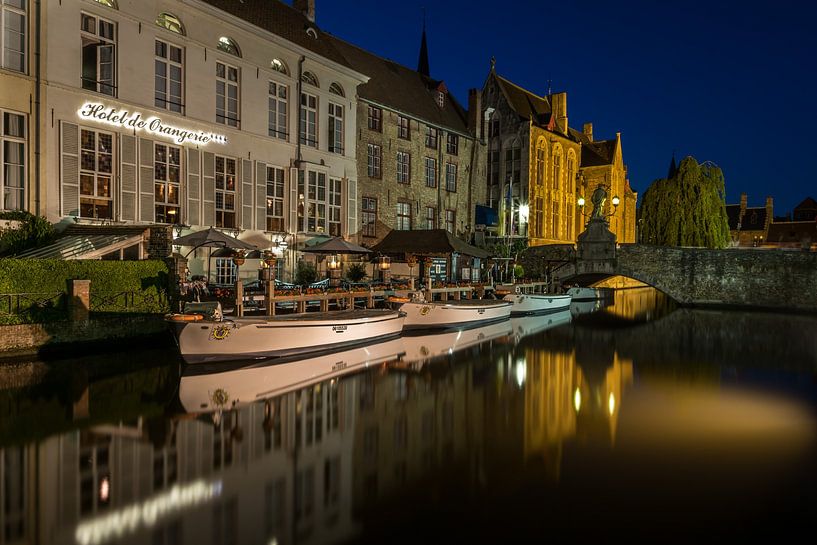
{"x": 424, "y": 310}
{"x": 339, "y": 328}
{"x": 220, "y": 332}
{"x": 481, "y": 311}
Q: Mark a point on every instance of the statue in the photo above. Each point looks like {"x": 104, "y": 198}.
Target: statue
{"x": 598, "y": 199}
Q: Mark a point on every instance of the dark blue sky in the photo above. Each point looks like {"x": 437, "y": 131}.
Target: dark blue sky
{"x": 733, "y": 82}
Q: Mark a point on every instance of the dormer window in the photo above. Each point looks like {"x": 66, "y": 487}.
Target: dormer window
{"x": 440, "y": 99}
{"x": 228, "y": 45}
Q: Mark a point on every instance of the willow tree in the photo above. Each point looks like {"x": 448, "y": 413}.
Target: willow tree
{"x": 686, "y": 209}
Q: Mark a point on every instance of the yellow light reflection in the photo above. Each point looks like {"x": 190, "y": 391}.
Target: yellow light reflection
{"x": 577, "y": 400}
{"x": 611, "y": 403}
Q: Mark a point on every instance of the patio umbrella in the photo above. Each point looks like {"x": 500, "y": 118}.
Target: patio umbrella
{"x": 337, "y": 245}
{"x": 211, "y": 238}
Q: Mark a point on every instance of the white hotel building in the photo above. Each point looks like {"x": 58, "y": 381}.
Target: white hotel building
{"x": 234, "y": 114}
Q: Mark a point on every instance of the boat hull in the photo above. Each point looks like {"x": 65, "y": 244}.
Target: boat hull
{"x": 589, "y": 294}
{"x": 454, "y": 314}
{"x": 289, "y": 335}
{"x": 530, "y": 303}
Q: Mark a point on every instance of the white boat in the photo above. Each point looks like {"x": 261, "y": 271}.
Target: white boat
{"x": 453, "y": 314}
{"x": 420, "y": 349}
{"x": 206, "y": 388}
{"x": 537, "y": 303}
{"x": 530, "y": 325}
{"x": 589, "y": 294}
{"x": 204, "y": 340}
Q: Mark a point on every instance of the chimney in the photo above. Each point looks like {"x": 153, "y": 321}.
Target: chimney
{"x": 307, "y": 7}
{"x": 475, "y": 113}
{"x": 769, "y": 210}
{"x": 588, "y": 131}
{"x": 743, "y": 201}
{"x": 558, "y": 102}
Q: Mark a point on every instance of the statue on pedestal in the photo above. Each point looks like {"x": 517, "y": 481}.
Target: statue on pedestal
{"x": 598, "y": 199}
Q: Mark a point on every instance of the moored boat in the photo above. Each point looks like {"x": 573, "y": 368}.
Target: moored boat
{"x": 454, "y": 314}
{"x": 530, "y": 325}
{"x": 589, "y": 294}
{"x": 207, "y": 338}
{"x": 537, "y": 303}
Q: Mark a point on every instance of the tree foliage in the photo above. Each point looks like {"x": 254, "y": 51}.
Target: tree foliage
{"x": 305, "y": 274}
{"x": 33, "y": 231}
{"x": 687, "y": 209}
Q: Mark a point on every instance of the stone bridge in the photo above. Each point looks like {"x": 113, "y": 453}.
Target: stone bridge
{"x": 774, "y": 279}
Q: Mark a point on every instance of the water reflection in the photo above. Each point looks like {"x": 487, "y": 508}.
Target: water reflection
{"x": 536, "y": 418}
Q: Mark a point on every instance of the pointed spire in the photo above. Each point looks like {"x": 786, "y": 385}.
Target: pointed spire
{"x": 422, "y": 62}
{"x": 673, "y": 168}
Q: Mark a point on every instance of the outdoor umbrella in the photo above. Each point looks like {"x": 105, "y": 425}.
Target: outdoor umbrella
{"x": 337, "y": 245}
{"x": 211, "y": 238}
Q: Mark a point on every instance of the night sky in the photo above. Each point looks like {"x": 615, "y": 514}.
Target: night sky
{"x": 733, "y": 83}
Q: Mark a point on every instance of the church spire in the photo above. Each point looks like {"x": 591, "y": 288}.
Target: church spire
{"x": 422, "y": 62}
{"x": 673, "y": 168}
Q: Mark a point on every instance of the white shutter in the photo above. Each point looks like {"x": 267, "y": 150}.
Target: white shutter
{"x": 128, "y": 185}
{"x": 147, "y": 211}
{"x": 246, "y": 194}
{"x": 69, "y": 169}
{"x": 260, "y": 196}
{"x": 351, "y": 207}
{"x": 193, "y": 187}
{"x": 208, "y": 189}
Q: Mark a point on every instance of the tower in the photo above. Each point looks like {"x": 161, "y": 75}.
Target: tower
{"x": 422, "y": 62}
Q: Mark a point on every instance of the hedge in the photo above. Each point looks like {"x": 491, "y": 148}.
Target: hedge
{"x": 147, "y": 279}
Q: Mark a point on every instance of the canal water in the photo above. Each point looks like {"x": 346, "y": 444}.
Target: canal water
{"x": 627, "y": 419}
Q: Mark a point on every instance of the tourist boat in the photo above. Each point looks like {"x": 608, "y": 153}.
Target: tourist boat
{"x": 420, "y": 349}
{"x": 530, "y": 325}
{"x": 451, "y": 314}
{"x": 537, "y": 303}
{"x": 211, "y": 387}
{"x": 589, "y": 294}
{"x": 205, "y": 336}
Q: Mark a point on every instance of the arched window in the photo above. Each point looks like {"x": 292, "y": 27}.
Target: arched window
{"x": 309, "y": 77}
{"x": 228, "y": 45}
{"x": 513, "y": 162}
{"x": 570, "y": 185}
{"x": 171, "y": 23}
{"x": 109, "y": 3}
{"x": 557, "y": 167}
{"x": 541, "y": 153}
{"x": 336, "y": 89}
{"x": 279, "y": 66}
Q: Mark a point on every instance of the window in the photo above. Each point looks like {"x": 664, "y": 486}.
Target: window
{"x": 375, "y": 119}
{"x": 312, "y": 208}
{"x": 431, "y": 217}
{"x": 310, "y": 79}
{"x": 513, "y": 164}
{"x": 557, "y": 168}
{"x": 12, "y": 160}
{"x": 98, "y": 55}
{"x": 571, "y": 173}
{"x": 539, "y": 211}
{"x": 431, "y": 172}
{"x": 336, "y": 89}
{"x": 450, "y": 221}
{"x": 226, "y": 270}
{"x": 277, "y": 121}
{"x": 373, "y": 160}
{"x": 109, "y": 3}
{"x": 440, "y": 99}
{"x": 540, "y": 165}
{"x": 452, "y": 144}
{"x": 369, "y": 217}
{"x": 227, "y": 82}
{"x": 170, "y": 22}
{"x": 309, "y": 120}
{"x": 494, "y": 127}
{"x": 13, "y": 34}
{"x": 225, "y": 192}
{"x": 493, "y": 169}
{"x": 450, "y": 177}
{"x": 403, "y": 216}
{"x": 403, "y": 167}
{"x": 167, "y": 168}
{"x": 275, "y": 199}
{"x": 169, "y": 70}
{"x": 228, "y": 45}
{"x": 335, "y": 200}
{"x": 335, "y": 128}
{"x": 96, "y": 174}
{"x": 403, "y": 127}
{"x": 556, "y": 217}
{"x": 279, "y": 66}
{"x": 431, "y": 137}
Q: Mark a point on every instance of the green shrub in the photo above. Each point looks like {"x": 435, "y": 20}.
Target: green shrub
{"x": 34, "y": 231}
{"x": 306, "y": 274}
{"x": 356, "y": 272}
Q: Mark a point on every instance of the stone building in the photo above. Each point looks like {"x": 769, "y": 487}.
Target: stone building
{"x": 540, "y": 166}
{"x": 749, "y": 226}
{"x": 806, "y": 210}
{"x": 419, "y": 162}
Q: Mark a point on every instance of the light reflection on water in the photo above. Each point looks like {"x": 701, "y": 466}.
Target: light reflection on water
{"x": 633, "y": 419}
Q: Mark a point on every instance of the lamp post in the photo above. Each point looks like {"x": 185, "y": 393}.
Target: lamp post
{"x": 271, "y": 261}
{"x": 597, "y": 212}
{"x": 384, "y": 265}
{"x": 238, "y": 260}
{"x": 333, "y": 267}
{"x": 411, "y": 261}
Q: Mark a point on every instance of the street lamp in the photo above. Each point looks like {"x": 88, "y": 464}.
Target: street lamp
{"x": 333, "y": 267}
{"x": 238, "y": 260}
{"x": 384, "y": 264}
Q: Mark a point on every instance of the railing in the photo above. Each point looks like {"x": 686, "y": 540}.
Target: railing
{"x": 18, "y": 308}
{"x": 128, "y": 302}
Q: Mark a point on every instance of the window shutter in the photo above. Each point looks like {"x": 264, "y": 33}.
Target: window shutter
{"x": 193, "y": 187}
{"x": 69, "y": 166}
{"x": 147, "y": 211}
{"x": 292, "y": 205}
{"x": 208, "y": 189}
{"x": 351, "y": 208}
{"x": 260, "y": 196}
{"x": 246, "y": 194}
{"x": 128, "y": 185}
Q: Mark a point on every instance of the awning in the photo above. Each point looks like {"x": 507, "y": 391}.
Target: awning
{"x": 82, "y": 247}
{"x": 425, "y": 242}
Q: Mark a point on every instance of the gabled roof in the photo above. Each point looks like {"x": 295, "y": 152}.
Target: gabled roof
{"x": 525, "y": 103}
{"x": 282, "y": 20}
{"x": 754, "y": 219}
{"x": 792, "y": 231}
{"x": 598, "y": 153}
{"x": 425, "y": 242}
{"x": 402, "y": 89}
{"x": 807, "y": 204}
